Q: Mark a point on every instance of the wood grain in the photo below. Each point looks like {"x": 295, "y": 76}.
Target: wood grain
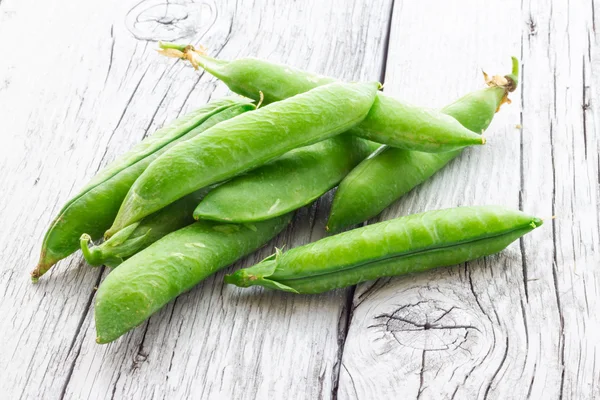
{"x": 80, "y": 83}
{"x": 515, "y": 325}
{"x": 108, "y": 91}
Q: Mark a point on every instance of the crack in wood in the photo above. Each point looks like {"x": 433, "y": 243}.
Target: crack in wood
{"x": 147, "y": 130}
{"x": 421, "y": 375}
{"x": 489, "y": 387}
{"x": 84, "y": 314}
{"x": 531, "y": 382}
{"x": 343, "y": 328}
{"x": 112, "y": 51}
{"x": 522, "y": 171}
{"x": 141, "y": 356}
{"x": 114, "y": 389}
{"x": 593, "y": 15}
{"x": 585, "y": 106}
{"x": 351, "y": 380}
{"x": 127, "y": 104}
{"x": 555, "y": 265}
{"x": 525, "y": 326}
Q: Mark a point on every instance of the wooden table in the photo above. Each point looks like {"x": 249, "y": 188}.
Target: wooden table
{"x": 80, "y": 83}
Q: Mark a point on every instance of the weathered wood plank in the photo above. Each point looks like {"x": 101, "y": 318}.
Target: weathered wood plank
{"x": 100, "y": 89}
{"x": 514, "y": 325}
{"x": 561, "y": 44}
{"x": 521, "y": 324}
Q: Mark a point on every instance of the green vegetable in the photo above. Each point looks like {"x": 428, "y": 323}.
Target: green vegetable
{"x": 404, "y": 245}
{"x": 390, "y": 120}
{"x": 391, "y": 172}
{"x": 292, "y": 181}
{"x": 243, "y": 143}
{"x": 96, "y": 205}
{"x": 141, "y": 234}
{"x": 150, "y": 279}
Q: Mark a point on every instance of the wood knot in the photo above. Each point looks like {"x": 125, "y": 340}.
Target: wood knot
{"x": 428, "y": 325}
{"x": 155, "y": 20}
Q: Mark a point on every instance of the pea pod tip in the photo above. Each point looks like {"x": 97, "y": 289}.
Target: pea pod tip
{"x": 103, "y": 340}
{"x": 537, "y": 222}
{"x": 40, "y": 269}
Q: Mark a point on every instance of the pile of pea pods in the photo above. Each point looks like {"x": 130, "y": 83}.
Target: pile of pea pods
{"x": 223, "y": 180}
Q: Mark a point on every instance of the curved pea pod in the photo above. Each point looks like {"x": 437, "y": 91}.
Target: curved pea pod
{"x": 94, "y": 208}
{"x": 144, "y": 283}
{"x": 245, "y": 142}
{"x": 390, "y": 121}
{"x": 390, "y": 173}
{"x": 294, "y": 180}
{"x": 139, "y": 235}
{"x": 404, "y": 245}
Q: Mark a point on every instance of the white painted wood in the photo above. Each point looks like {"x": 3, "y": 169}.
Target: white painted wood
{"x": 520, "y": 324}
{"x": 80, "y": 83}
{"x": 93, "y": 88}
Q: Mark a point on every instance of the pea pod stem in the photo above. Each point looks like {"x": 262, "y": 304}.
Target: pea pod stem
{"x": 139, "y": 235}
{"x": 98, "y": 255}
{"x": 390, "y": 121}
{"x": 396, "y": 247}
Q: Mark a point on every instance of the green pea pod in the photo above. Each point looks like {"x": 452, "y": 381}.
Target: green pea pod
{"x": 143, "y": 233}
{"x": 391, "y": 172}
{"x": 144, "y": 283}
{"x": 95, "y": 207}
{"x": 292, "y": 181}
{"x": 396, "y": 247}
{"x": 243, "y": 143}
{"x": 390, "y": 121}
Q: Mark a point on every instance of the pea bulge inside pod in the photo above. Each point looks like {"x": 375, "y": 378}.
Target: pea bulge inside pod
{"x": 144, "y": 283}
{"x": 396, "y": 247}
{"x": 245, "y": 142}
{"x": 287, "y": 183}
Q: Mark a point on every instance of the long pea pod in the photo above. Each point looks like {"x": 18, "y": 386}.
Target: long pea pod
{"x": 94, "y": 208}
{"x": 243, "y": 143}
{"x": 390, "y": 173}
{"x": 390, "y": 121}
{"x": 144, "y": 283}
{"x": 287, "y": 183}
{"x": 139, "y": 235}
{"x": 396, "y": 247}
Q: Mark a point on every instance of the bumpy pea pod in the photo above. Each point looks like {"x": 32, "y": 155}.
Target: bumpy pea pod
{"x": 245, "y": 142}
{"x": 404, "y": 245}
{"x": 285, "y": 184}
{"x": 143, "y": 233}
{"x": 390, "y": 173}
{"x": 150, "y": 279}
{"x": 93, "y": 210}
{"x": 390, "y": 121}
